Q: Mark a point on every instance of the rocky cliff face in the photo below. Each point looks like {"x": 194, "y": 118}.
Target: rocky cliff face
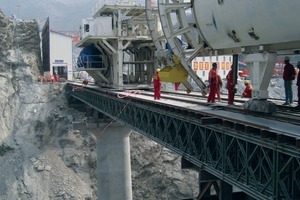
{"x": 42, "y": 156}
{"x": 19, "y": 63}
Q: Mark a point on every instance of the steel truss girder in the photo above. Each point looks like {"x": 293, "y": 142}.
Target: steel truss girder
{"x": 261, "y": 168}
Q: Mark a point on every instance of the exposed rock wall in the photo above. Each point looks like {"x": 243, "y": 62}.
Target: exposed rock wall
{"x": 19, "y": 63}
{"x": 35, "y": 121}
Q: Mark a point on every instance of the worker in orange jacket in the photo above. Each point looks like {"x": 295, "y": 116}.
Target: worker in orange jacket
{"x": 213, "y": 82}
{"x": 230, "y": 86}
{"x": 248, "y": 90}
{"x": 157, "y": 85}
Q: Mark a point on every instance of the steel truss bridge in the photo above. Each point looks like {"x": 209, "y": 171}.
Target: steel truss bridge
{"x": 263, "y": 163}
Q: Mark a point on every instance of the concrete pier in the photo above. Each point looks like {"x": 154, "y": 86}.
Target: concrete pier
{"x": 113, "y": 164}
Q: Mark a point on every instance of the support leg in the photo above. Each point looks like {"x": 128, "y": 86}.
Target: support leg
{"x": 206, "y": 180}
{"x": 261, "y": 66}
{"x": 113, "y": 164}
{"x": 225, "y": 192}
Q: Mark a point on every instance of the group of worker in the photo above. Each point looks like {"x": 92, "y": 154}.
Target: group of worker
{"x": 215, "y": 84}
{"x": 289, "y": 75}
{"x": 49, "y": 78}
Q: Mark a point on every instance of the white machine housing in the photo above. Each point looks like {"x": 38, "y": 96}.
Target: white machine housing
{"x": 97, "y": 26}
{"x": 241, "y": 23}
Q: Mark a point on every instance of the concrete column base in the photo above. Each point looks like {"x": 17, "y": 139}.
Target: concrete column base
{"x": 113, "y": 164}
{"x": 258, "y": 105}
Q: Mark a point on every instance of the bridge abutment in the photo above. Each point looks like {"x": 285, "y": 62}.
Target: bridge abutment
{"x": 113, "y": 164}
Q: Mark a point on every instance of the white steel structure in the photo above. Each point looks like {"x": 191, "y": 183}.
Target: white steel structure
{"x": 119, "y": 31}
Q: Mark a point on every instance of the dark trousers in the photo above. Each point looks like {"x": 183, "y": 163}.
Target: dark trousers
{"x": 298, "y": 95}
{"x": 230, "y": 94}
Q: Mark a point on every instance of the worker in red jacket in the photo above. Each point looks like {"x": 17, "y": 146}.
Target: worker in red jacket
{"x": 230, "y": 86}
{"x": 213, "y": 82}
{"x": 56, "y": 77}
{"x": 157, "y": 85}
{"x": 248, "y": 90}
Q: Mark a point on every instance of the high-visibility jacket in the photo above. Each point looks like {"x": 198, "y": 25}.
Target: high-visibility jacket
{"x": 229, "y": 79}
{"x": 248, "y": 91}
{"x": 156, "y": 80}
{"x": 212, "y": 76}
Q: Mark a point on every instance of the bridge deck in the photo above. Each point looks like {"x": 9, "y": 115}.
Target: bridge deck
{"x": 215, "y": 110}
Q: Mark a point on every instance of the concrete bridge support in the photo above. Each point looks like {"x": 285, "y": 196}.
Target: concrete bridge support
{"x": 113, "y": 164}
{"x": 211, "y": 187}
